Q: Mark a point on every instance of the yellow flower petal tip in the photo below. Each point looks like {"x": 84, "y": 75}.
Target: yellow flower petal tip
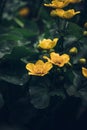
{"x": 39, "y": 68}
{"x": 56, "y": 59}
{"x": 84, "y": 72}
{"x": 48, "y": 43}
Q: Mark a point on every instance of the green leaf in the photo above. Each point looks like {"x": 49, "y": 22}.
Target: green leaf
{"x": 82, "y": 91}
{"x": 15, "y": 79}
{"x": 10, "y": 37}
{"x": 20, "y": 52}
{"x": 69, "y": 76}
{"x": 58, "y": 92}
{"x": 73, "y": 88}
{"x": 24, "y": 32}
{"x": 13, "y": 71}
{"x": 74, "y": 29}
{"x": 39, "y": 96}
{"x": 6, "y": 48}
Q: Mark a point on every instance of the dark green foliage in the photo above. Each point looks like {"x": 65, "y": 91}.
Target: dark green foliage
{"x": 28, "y": 98}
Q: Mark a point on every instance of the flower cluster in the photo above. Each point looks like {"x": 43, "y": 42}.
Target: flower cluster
{"x": 41, "y": 68}
{"x": 58, "y": 10}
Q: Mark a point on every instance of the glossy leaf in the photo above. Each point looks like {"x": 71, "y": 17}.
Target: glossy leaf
{"x": 39, "y": 96}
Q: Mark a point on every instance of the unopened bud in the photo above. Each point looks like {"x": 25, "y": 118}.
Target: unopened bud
{"x": 82, "y": 60}
{"x": 73, "y": 50}
{"x": 24, "y": 11}
{"x": 85, "y": 25}
{"x": 85, "y": 33}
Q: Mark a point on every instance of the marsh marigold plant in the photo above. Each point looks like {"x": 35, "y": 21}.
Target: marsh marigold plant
{"x": 59, "y": 67}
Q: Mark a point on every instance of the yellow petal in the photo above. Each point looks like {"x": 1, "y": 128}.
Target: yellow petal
{"x": 55, "y": 40}
{"x": 64, "y": 14}
{"x": 39, "y": 62}
{"x": 39, "y": 68}
{"x": 56, "y": 59}
{"x": 30, "y": 66}
{"x": 66, "y": 58}
{"x": 58, "y": 4}
{"x": 75, "y": 1}
{"x": 70, "y": 13}
{"x": 47, "y": 66}
{"x": 48, "y": 43}
{"x": 37, "y": 74}
{"x": 54, "y": 55}
{"x": 57, "y": 12}
{"x": 84, "y": 72}
{"x": 59, "y": 60}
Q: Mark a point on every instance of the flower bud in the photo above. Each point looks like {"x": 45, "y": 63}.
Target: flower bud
{"x": 82, "y": 60}
{"x": 85, "y": 33}
{"x": 84, "y": 72}
{"x": 73, "y": 50}
{"x": 24, "y": 11}
{"x": 85, "y": 25}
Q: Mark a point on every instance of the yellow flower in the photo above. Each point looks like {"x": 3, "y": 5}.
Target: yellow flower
{"x": 39, "y": 68}
{"x": 24, "y": 11}
{"x": 84, "y": 72}
{"x": 56, "y": 59}
{"x": 58, "y": 3}
{"x": 48, "y": 43}
{"x": 64, "y": 14}
{"x": 73, "y": 50}
{"x": 74, "y": 1}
